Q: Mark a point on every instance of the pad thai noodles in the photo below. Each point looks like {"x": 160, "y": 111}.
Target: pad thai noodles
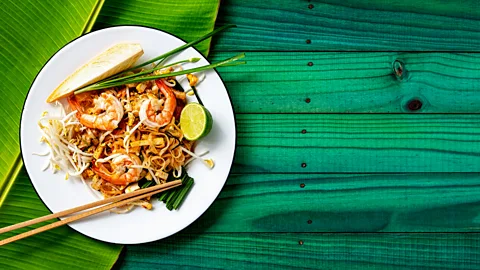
{"x": 122, "y": 138}
{"x": 124, "y": 128}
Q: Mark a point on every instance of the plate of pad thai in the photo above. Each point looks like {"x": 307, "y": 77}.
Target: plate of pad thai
{"x": 127, "y": 108}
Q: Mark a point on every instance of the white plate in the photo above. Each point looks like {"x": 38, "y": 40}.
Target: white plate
{"x": 140, "y": 225}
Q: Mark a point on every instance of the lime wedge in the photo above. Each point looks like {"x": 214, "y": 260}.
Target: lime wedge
{"x": 195, "y": 121}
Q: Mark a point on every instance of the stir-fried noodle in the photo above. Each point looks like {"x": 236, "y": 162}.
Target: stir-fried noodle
{"x": 115, "y": 137}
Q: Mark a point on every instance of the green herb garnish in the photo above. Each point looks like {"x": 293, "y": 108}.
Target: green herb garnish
{"x": 173, "y": 198}
{"x": 147, "y": 184}
{"x": 183, "y": 47}
{"x": 121, "y": 81}
{"x": 117, "y": 80}
{"x": 183, "y": 192}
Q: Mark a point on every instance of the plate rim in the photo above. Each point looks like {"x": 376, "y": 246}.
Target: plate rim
{"x": 86, "y": 34}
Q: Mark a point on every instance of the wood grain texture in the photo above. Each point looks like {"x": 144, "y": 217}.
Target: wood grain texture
{"x": 280, "y": 82}
{"x": 345, "y": 203}
{"x": 353, "y": 143}
{"x": 350, "y": 25}
{"x": 263, "y": 212}
{"x": 318, "y": 251}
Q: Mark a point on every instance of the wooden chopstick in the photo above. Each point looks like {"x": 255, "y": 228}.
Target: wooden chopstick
{"x": 114, "y": 202}
{"x": 86, "y": 206}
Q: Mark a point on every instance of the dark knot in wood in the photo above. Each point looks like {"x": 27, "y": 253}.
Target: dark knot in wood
{"x": 414, "y": 105}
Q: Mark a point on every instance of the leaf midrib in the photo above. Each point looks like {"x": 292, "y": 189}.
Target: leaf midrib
{"x": 16, "y": 166}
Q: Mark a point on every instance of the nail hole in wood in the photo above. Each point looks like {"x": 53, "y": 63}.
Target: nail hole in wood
{"x": 300, "y": 242}
{"x": 307, "y": 100}
{"x": 308, "y": 41}
{"x": 310, "y": 64}
{"x": 399, "y": 70}
{"x": 302, "y": 185}
{"x": 414, "y": 105}
{"x": 304, "y": 131}
{"x": 304, "y": 165}
{"x": 310, "y": 6}
{"x": 309, "y": 221}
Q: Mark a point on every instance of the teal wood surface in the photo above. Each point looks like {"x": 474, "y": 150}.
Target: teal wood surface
{"x": 332, "y": 169}
{"x": 334, "y": 25}
{"x": 352, "y": 143}
{"x": 345, "y": 203}
{"x": 358, "y": 82}
{"x": 318, "y": 251}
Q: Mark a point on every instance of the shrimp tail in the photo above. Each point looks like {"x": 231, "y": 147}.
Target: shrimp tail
{"x": 72, "y": 101}
{"x": 119, "y": 177}
{"x": 150, "y": 113}
{"x": 170, "y": 103}
{"x": 106, "y": 113}
{"x": 75, "y": 105}
{"x": 103, "y": 172}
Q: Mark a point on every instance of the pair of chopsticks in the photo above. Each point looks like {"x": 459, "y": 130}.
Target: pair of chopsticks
{"x": 110, "y": 203}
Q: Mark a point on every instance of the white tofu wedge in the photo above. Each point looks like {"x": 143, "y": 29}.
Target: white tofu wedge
{"x": 112, "y": 61}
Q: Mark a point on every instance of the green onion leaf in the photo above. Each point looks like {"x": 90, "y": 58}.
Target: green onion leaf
{"x": 183, "y": 193}
{"x": 109, "y": 84}
{"x": 163, "y": 196}
{"x": 170, "y": 195}
{"x": 172, "y": 199}
{"x": 147, "y": 184}
{"x": 164, "y": 56}
{"x": 183, "y": 47}
{"x": 148, "y": 71}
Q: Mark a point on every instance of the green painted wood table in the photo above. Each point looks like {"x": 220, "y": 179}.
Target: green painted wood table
{"x": 357, "y": 145}
{"x": 358, "y": 138}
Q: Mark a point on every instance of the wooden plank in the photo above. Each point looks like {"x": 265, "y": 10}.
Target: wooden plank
{"x": 318, "y": 251}
{"x": 357, "y": 143}
{"x": 391, "y": 25}
{"x": 345, "y": 203}
{"x": 280, "y": 82}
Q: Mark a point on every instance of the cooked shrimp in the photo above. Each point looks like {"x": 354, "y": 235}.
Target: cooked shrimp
{"x": 150, "y": 112}
{"x": 121, "y": 173}
{"x": 106, "y": 113}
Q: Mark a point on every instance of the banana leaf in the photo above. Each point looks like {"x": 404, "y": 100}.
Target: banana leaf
{"x": 31, "y": 31}
{"x": 60, "y": 248}
{"x": 188, "y": 19}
